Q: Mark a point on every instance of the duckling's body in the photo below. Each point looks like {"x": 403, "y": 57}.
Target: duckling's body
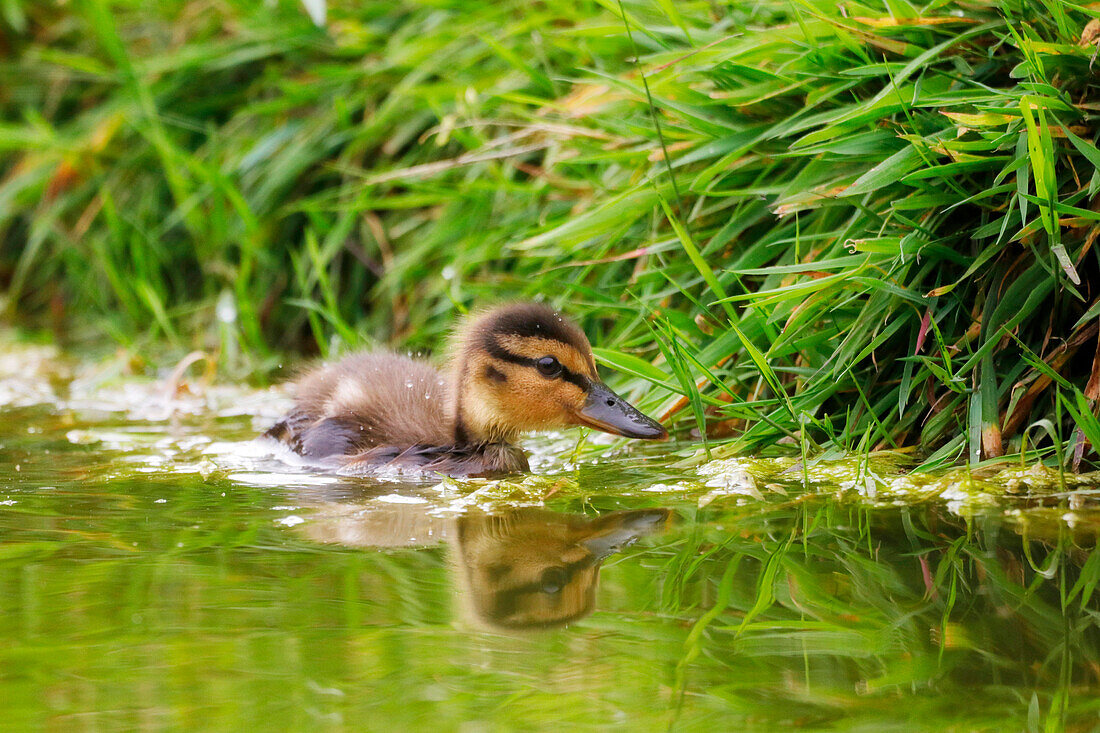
{"x": 382, "y": 410}
{"x": 516, "y": 369}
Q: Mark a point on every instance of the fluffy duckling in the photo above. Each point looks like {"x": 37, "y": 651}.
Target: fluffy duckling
{"x": 514, "y": 369}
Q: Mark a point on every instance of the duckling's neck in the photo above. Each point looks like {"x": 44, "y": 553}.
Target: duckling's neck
{"x": 475, "y": 423}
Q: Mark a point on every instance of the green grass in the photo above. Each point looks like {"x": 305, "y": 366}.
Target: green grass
{"x": 858, "y": 226}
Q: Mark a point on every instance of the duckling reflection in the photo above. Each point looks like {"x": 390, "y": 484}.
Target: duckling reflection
{"x": 534, "y": 568}
{"x": 523, "y": 569}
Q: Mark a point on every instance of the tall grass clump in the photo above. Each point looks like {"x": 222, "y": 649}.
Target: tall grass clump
{"x": 845, "y": 225}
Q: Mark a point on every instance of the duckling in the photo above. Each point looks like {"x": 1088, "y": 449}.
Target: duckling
{"x": 514, "y": 369}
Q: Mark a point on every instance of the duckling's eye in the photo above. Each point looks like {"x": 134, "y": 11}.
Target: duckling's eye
{"x": 548, "y": 366}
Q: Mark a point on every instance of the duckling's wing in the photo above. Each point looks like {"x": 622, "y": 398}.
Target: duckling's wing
{"x": 288, "y": 431}
{"x": 330, "y": 436}
{"x": 385, "y": 458}
{"x": 460, "y": 461}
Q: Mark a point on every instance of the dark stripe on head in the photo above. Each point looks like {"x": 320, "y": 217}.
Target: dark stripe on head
{"x": 491, "y": 372}
{"x": 496, "y": 351}
{"x": 538, "y": 321}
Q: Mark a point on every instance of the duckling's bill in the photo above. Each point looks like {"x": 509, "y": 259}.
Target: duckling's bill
{"x": 604, "y": 410}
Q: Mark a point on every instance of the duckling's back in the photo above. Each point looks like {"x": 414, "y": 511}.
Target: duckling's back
{"x": 365, "y": 401}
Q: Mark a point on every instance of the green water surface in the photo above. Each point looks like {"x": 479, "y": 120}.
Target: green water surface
{"x": 158, "y": 571}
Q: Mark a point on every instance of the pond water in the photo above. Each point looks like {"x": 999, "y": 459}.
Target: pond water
{"x": 159, "y": 569}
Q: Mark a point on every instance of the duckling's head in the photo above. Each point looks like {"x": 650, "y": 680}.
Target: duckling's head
{"x": 523, "y": 367}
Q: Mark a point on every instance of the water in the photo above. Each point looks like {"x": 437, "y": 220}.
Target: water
{"x": 161, "y": 570}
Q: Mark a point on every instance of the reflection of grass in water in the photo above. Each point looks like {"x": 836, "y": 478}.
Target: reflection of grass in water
{"x": 203, "y": 609}
{"x": 838, "y": 623}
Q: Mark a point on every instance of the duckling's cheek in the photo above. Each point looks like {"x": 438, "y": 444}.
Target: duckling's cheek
{"x": 541, "y": 412}
{"x": 554, "y": 403}
{"x": 570, "y": 399}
